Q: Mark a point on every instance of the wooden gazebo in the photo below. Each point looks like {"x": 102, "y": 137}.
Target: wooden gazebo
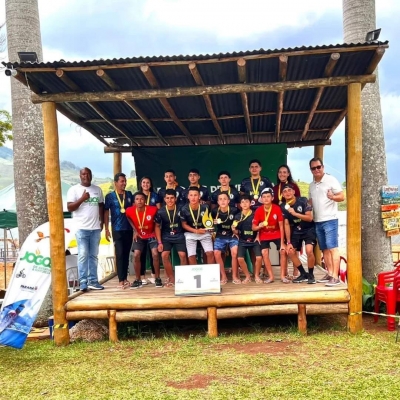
{"x": 295, "y": 96}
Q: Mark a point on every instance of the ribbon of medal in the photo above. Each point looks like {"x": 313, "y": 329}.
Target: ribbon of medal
{"x": 141, "y": 224}
{"x": 121, "y": 203}
{"x": 255, "y": 189}
{"x": 171, "y": 222}
{"x": 195, "y": 222}
{"x": 219, "y": 221}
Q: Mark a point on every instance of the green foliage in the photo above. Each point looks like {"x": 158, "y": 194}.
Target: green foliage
{"x": 368, "y": 298}
{"x": 5, "y": 127}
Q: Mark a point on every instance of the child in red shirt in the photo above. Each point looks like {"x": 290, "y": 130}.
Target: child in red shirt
{"x": 268, "y": 221}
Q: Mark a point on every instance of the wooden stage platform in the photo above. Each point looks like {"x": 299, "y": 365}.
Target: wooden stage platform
{"x": 235, "y": 301}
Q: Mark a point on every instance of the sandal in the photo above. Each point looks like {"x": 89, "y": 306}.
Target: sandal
{"x": 224, "y": 281}
{"x": 258, "y": 280}
{"x": 169, "y": 284}
{"x": 285, "y": 280}
{"x": 121, "y": 286}
{"x": 269, "y": 280}
{"x": 236, "y": 281}
{"x": 245, "y": 281}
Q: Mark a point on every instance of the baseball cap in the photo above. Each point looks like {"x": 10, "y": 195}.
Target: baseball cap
{"x": 268, "y": 190}
{"x": 287, "y": 186}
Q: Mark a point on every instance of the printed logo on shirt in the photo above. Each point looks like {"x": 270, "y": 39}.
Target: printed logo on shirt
{"x": 92, "y": 201}
{"x": 231, "y": 196}
{"x": 231, "y": 216}
{"x": 148, "y": 217}
{"x": 275, "y": 216}
{"x": 299, "y": 208}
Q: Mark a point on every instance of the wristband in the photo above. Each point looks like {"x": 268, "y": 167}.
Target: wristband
{"x": 288, "y": 243}
{"x": 159, "y": 242}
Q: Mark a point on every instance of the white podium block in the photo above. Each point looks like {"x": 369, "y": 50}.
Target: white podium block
{"x": 197, "y": 280}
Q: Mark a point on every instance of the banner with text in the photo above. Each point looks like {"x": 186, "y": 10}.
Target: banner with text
{"x": 209, "y": 160}
{"x": 28, "y": 286}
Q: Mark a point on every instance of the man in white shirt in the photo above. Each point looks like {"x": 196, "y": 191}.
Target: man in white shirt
{"x": 86, "y": 203}
{"x": 325, "y": 192}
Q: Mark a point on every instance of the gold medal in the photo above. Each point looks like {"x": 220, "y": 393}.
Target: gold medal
{"x": 121, "y": 203}
{"x": 265, "y": 223}
{"x": 219, "y": 221}
{"x": 235, "y": 224}
{"x": 255, "y": 196}
{"x": 255, "y": 189}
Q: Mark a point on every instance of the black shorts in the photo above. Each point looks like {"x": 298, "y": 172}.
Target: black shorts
{"x": 243, "y": 247}
{"x": 265, "y": 244}
{"x": 142, "y": 243}
{"x": 180, "y": 245}
{"x": 308, "y": 237}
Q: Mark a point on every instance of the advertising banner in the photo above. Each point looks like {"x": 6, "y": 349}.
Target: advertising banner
{"x": 28, "y": 286}
{"x": 210, "y": 160}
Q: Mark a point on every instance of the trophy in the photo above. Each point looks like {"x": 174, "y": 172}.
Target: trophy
{"x": 208, "y": 221}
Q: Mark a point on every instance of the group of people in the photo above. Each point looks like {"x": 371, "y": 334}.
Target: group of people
{"x": 248, "y": 220}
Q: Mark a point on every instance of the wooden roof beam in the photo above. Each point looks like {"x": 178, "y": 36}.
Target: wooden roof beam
{"x": 148, "y": 73}
{"x": 128, "y": 149}
{"x": 241, "y": 67}
{"x": 207, "y": 100}
{"x": 113, "y": 85}
{"x": 333, "y": 59}
{"x": 283, "y": 61}
{"x": 73, "y": 86}
{"x": 163, "y": 94}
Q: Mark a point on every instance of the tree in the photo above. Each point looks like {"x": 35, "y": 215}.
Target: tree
{"x": 358, "y": 19}
{"x": 23, "y": 34}
{"x": 5, "y": 127}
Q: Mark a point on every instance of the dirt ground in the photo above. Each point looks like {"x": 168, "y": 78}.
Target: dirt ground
{"x": 9, "y": 274}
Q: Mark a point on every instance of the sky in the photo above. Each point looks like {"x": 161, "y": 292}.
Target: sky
{"x": 76, "y": 30}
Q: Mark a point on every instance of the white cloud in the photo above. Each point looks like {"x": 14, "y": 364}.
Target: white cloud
{"x": 230, "y": 19}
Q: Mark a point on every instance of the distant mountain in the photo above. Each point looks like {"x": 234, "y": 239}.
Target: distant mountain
{"x": 6, "y": 153}
{"x": 69, "y": 171}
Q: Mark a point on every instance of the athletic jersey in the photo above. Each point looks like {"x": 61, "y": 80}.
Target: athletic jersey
{"x": 186, "y": 215}
{"x": 152, "y": 199}
{"x": 272, "y": 218}
{"x": 179, "y": 195}
{"x": 234, "y": 196}
{"x": 224, "y": 229}
{"x": 204, "y": 194}
{"x": 119, "y": 222}
{"x": 143, "y": 221}
{"x": 244, "y": 226}
{"x": 301, "y": 206}
{"x": 247, "y": 187}
{"x": 278, "y": 198}
{"x": 168, "y": 232}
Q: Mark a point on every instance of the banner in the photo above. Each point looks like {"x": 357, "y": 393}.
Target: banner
{"x": 210, "y": 160}
{"x": 28, "y": 286}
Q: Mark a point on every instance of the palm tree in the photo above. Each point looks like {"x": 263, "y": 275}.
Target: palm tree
{"x": 23, "y": 34}
{"x": 358, "y": 19}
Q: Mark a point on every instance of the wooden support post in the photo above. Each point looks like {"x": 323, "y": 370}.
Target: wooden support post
{"x": 212, "y": 322}
{"x": 112, "y": 326}
{"x": 353, "y": 180}
{"x": 302, "y": 319}
{"x": 56, "y": 218}
{"x": 117, "y": 162}
{"x": 319, "y": 151}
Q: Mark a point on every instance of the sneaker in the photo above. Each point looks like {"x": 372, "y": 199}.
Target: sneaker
{"x": 333, "y": 282}
{"x": 301, "y": 278}
{"x": 144, "y": 282}
{"x": 311, "y": 279}
{"x": 151, "y": 280}
{"x": 158, "y": 283}
{"x": 326, "y": 278}
{"x": 95, "y": 286}
{"x": 83, "y": 287}
{"x": 136, "y": 284}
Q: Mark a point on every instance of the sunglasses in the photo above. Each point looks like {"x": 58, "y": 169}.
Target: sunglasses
{"x": 316, "y": 167}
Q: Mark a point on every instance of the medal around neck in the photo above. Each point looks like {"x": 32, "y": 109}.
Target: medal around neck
{"x": 208, "y": 221}
{"x": 287, "y": 206}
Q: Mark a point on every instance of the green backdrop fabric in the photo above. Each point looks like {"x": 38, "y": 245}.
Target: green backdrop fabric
{"x": 210, "y": 160}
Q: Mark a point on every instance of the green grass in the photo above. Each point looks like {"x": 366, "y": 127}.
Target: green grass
{"x": 250, "y": 360}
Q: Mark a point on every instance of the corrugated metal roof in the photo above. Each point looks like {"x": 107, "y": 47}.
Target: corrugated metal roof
{"x": 262, "y": 66}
